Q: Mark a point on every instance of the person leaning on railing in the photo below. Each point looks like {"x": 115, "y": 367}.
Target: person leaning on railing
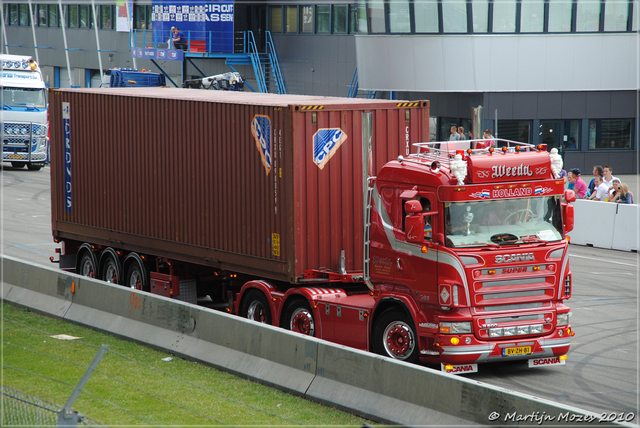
{"x": 623, "y": 195}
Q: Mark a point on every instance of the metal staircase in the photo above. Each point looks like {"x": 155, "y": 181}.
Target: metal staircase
{"x": 353, "y": 88}
{"x": 265, "y": 65}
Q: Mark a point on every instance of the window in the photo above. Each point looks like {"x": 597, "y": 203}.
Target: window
{"x": 480, "y": 16}
{"x": 532, "y": 16}
{"x": 588, "y": 16}
{"x": 353, "y": 19}
{"x": 306, "y": 19}
{"x": 376, "y": 17}
{"x": 275, "y": 23}
{"x": 514, "y": 130}
{"x": 504, "y": 16}
{"x": 54, "y": 15}
{"x": 291, "y": 19}
{"x": 106, "y": 17}
{"x": 571, "y": 137}
{"x": 559, "y": 16}
{"x": 85, "y": 16}
{"x": 616, "y": 15}
{"x": 454, "y": 17}
{"x": 43, "y": 17}
{"x": 339, "y": 19}
{"x": 399, "y": 20}
{"x": 611, "y": 134}
{"x": 72, "y": 16}
{"x": 140, "y": 17}
{"x": 323, "y": 17}
{"x": 426, "y": 16}
{"x": 24, "y": 14}
{"x": 11, "y": 17}
{"x": 362, "y": 17}
{"x": 636, "y": 16}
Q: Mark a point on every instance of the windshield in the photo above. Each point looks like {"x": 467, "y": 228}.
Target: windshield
{"x": 501, "y": 222}
{"x": 23, "y": 97}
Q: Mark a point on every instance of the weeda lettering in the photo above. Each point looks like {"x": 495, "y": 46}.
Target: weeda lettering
{"x": 516, "y": 171}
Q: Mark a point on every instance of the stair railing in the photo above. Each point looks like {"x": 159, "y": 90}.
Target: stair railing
{"x": 353, "y": 88}
{"x": 275, "y": 65}
{"x": 252, "y": 50}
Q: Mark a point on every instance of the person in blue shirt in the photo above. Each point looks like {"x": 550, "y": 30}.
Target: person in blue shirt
{"x": 179, "y": 40}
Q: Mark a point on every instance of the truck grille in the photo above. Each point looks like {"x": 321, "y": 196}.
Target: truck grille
{"x": 19, "y": 134}
{"x": 501, "y": 287}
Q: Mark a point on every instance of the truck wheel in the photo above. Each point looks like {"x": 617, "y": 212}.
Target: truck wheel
{"x": 299, "y": 317}
{"x": 18, "y": 164}
{"x": 32, "y": 167}
{"x": 136, "y": 278}
{"x": 87, "y": 266}
{"x": 255, "y": 307}
{"x": 111, "y": 271}
{"x": 395, "y": 336}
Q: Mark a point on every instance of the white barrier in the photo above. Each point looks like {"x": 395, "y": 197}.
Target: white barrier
{"x": 605, "y": 225}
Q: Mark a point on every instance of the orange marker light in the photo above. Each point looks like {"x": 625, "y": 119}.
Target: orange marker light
{"x": 425, "y": 249}
{"x": 73, "y": 287}
{"x": 492, "y": 271}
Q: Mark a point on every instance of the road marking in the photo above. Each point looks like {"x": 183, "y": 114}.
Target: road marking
{"x": 599, "y": 260}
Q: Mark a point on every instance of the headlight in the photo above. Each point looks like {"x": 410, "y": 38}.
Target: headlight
{"x": 455, "y": 327}
{"x": 563, "y": 319}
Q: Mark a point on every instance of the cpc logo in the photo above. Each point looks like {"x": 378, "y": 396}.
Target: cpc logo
{"x": 261, "y": 130}
{"x": 325, "y": 144}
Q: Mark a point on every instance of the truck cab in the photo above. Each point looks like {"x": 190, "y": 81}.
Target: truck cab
{"x": 24, "y": 113}
{"x": 470, "y": 244}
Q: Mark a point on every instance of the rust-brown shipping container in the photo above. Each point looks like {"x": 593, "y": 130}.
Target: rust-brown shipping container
{"x": 263, "y": 184}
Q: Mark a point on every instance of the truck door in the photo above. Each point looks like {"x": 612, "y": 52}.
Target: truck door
{"x": 417, "y": 264}
{"x": 381, "y": 252}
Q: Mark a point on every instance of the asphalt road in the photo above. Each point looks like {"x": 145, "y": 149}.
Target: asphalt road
{"x": 601, "y": 374}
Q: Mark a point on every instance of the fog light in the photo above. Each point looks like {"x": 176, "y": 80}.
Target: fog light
{"x": 467, "y": 340}
{"x": 448, "y": 367}
{"x": 563, "y": 357}
{"x": 560, "y": 332}
{"x": 455, "y": 340}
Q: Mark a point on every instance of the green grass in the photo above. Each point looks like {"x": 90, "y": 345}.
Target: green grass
{"x": 133, "y": 386}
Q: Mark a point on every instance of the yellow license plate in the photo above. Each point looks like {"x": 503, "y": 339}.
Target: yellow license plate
{"x": 517, "y": 350}
{"x": 15, "y": 156}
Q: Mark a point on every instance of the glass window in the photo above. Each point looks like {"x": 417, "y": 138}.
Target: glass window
{"x": 446, "y": 125}
{"x": 291, "y": 19}
{"x": 559, "y": 16}
{"x": 323, "y": 16}
{"x": 571, "y": 137}
{"x": 399, "y": 19}
{"x": 149, "y": 17}
{"x": 85, "y": 16}
{"x": 72, "y": 16}
{"x": 532, "y": 16}
{"x": 54, "y": 17}
{"x": 306, "y": 19}
{"x": 504, "y": 16}
{"x": 454, "y": 17}
{"x": 636, "y": 15}
{"x": 339, "y": 19}
{"x": 616, "y": 15}
{"x": 362, "y": 17}
{"x": 275, "y": 23}
{"x": 24, "y": 14}
{"x": 514, "y": 130}
{"x": 13, "y": 15}
{"x": 376, "y": 16}
{"x": 353, "y": 19}
{"x": 611, "y": 133}
{"x": 43, "y": 20}
{"x": 139, "y": 15}
{"x": 480, "y": 16}
{"x": 587, "y": 16}
{"x": 106, "y": 17}
{"x": 426, "y": 16}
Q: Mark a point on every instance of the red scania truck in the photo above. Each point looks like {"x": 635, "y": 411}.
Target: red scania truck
{"x": 258, "y": 204}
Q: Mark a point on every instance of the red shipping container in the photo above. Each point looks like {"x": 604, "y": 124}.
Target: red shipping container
{"x": 264, "y": 184}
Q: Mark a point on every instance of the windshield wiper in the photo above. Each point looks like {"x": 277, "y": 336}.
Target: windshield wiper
{"x": 29, "y": 106}
{"x": 6, "y": 106}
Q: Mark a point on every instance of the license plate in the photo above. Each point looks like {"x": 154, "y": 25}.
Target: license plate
{"x": 516, "y": 350}
{"x": 15, "y": 156}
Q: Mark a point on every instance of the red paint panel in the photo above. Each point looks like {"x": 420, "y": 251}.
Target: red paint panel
{"x": 177, "y": 173}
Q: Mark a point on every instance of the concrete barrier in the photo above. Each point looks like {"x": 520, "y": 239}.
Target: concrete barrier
{"x": 362, "y": 383}
{"x": 605, "y": 225}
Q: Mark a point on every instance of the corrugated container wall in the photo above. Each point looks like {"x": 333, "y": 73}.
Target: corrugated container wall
{"x": 262, "y": 184}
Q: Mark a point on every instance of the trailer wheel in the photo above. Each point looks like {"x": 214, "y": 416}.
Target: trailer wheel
{"x": 255, "y": 307}
{"x": 34, "y": 167}
{"x": 18, "y": 164}
{"x": 395, "y": 336}
{"x": 136, "y": 278}
{"x": 111, "y": 270}
{"x": 87, "y": 266}
{"x": 299, "y": 317}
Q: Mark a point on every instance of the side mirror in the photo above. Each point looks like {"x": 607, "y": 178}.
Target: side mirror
{"x": 569, "y": 195}
{"x": 567, "y": 216}
{"x": 412, "y": 207}
{"x": 414, "y": 225}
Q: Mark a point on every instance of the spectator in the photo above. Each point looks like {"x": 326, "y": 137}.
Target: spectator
{"x": 607, "y": 177}
{"x": 568, "y": 180}
{"x": 461, "y": 133}
{"x": 454, "y": 134}
{"x": 600, "y": 190}
{"x": 624, "y": 196}
{"x": 179, "y": 40}
{"x": 489, "y": 141}
{"x": 597, "y": 172}
{"x": 613, "y": 191}
{"x": 579, "y": 186}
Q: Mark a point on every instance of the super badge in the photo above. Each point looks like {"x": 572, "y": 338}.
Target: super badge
{"x": 326, "y": 143}
{"x": 261, "y": 130}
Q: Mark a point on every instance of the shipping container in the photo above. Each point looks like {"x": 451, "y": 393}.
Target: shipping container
{"x": 262, "y": 184}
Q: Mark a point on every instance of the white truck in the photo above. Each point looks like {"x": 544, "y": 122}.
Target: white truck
{"x": 24, "y": 113}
